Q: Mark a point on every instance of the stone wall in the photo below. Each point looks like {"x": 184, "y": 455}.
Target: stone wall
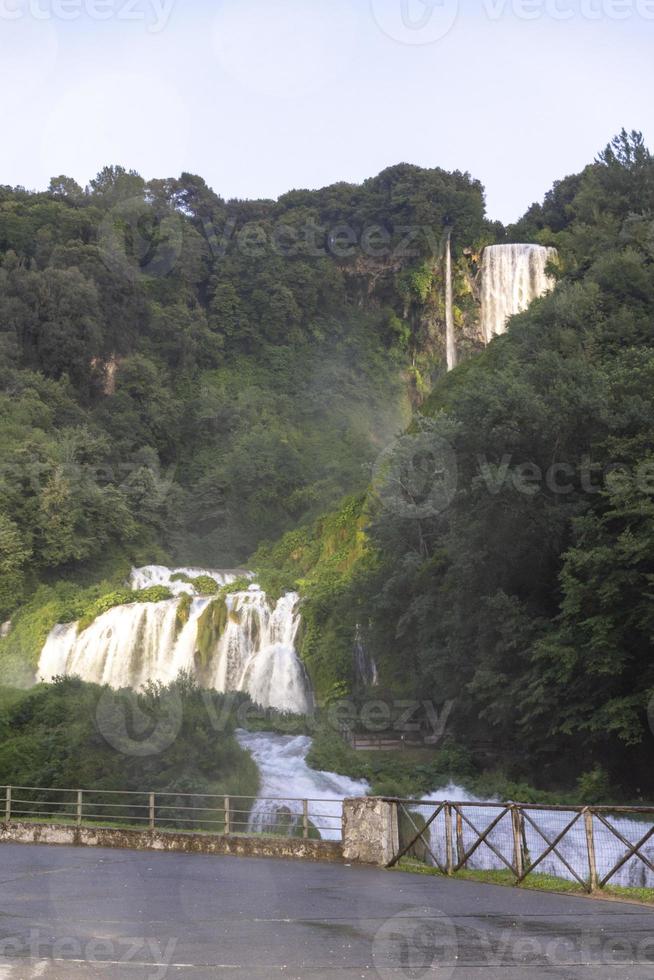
{"x": 370, "y": 836}
{"x": 155, "y": 840}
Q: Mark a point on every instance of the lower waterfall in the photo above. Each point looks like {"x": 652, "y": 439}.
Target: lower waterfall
{"x": 286, "y": 778}
{"x": 144, "y": 641}
{"x": 511, "y": 277}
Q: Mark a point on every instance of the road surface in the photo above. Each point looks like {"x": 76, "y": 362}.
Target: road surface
{"x": 68, "y": 913}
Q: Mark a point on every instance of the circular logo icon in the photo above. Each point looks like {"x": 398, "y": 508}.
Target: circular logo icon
{"x": 137, "y": 240}
{"x": 416, "y": 943}
{"x": 416, "y": 476}
{"x": 415, "y": 21}
{"x": 134, "y": 729}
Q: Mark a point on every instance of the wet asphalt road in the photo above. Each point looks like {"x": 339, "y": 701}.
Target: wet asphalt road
{"x": 69, "y": 913}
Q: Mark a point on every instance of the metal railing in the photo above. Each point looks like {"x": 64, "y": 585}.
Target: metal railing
{"x": 591, "y": 845}
{"x": 174, "y": 811}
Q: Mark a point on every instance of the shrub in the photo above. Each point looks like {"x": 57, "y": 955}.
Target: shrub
{"x": 121, "y": 597}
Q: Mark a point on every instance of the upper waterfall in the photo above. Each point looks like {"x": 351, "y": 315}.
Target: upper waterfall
{"x": 245, "y": 642}
{"x": 511, "y": 277}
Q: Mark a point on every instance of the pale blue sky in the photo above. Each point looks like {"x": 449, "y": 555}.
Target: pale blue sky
{"x": 260, "y": 96}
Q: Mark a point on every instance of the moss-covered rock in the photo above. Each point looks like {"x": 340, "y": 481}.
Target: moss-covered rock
{"x": 183, "y": 612}
{"x": 202, "y": 584}
{"x": 211, "y": 626}
{"x": 205, "y": 585}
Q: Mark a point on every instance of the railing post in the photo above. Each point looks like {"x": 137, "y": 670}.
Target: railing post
{"x": 80, "y": 800}
{"x": 151, "y": 807}
{"x": 8, "y": 804}
{"x": 516, "y": 821}
{"x": 305, "y": 818}
{"x": 590, "y": 845}
{"x": 449, "y": 856}
{"x": 228, "y": 827}
{"x": 460, "y": 847}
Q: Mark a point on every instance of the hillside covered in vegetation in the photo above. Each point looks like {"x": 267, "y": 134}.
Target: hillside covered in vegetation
{"x": 197, "y": 381}
{"x": 509, "y": 553}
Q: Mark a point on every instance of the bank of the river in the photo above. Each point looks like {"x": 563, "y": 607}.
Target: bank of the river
{"x": 416, "y": 771}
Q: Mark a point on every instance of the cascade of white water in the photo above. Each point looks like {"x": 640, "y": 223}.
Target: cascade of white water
{"x": 511, "y": 277}
{"x": 149, "y": 575}
{"x": 286, "y": 779}
{"x": 572, "y": 847}
{"x": 141, "y": 641}
{"x": 256, "y": 652}
{"x": 450, "y": 342}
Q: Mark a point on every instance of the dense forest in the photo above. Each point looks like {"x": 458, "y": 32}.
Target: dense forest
{"x": 198, "y": 381}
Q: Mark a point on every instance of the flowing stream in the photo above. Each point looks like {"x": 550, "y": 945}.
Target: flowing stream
{"x": 573, "y": 847}
{"x": 286, "y": 778}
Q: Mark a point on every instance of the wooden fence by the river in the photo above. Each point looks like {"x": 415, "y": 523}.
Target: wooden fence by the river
{"x": 593, "y": 846}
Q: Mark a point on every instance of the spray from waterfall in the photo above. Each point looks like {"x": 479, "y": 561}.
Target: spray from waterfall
{"x": 511, "y": 277}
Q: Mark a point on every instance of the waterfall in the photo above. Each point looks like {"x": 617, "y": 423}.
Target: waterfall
{"x": 511, "y": 277}
{"x": 256, "y": 652}
{"x": 364, "y": 663}
{"x": 144, "y": 641}
{"x": 450, "y": 342}
{"x": 145, "y": 578}
{"x": 286, "y": 778}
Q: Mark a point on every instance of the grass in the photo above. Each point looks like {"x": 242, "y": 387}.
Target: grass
{"x": 535, "y": 882}
{"x": 645, "y": 895}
